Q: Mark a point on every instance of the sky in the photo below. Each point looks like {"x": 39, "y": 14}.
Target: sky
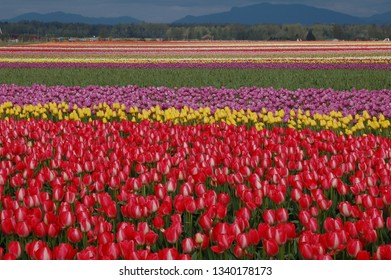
{"x": 165, "y": 11}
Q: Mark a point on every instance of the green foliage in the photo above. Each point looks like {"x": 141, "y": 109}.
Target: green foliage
{"x": 230, "y": 78}
{"x": 30, "y": 31}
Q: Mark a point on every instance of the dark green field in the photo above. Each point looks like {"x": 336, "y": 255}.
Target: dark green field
{"x": 230, "y": 78}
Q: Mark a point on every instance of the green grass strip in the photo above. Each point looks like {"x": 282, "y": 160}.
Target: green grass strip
{"x": 339, "y": 79}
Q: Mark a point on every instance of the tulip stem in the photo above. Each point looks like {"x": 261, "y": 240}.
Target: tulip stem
{"x": 84, "y": 240}
{"x": 282, "y": 252}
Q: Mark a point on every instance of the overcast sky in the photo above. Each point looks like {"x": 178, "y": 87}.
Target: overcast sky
{"x": 170, "y": 10}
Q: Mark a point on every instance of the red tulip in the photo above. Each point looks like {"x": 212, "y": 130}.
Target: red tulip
{"x": 53, "y": 230}
{"x": 105, "y": 237}
{"x": 109, "y": 251}
{"x": 151, "y": 238}
{"x": 271, "y": 247}
{"x": 306, "y": 251}
{"x": 40, "y": 229}
{"x": 269, "y": 216}
{"x": 354, "y": 246}
{"x": 201, "y": 240}
{"x": 172, "y": 235}
{"x": 127, "y": 247}
{"x": 200, "y": 189}
{"x": 205, "y": 222}
{"x": 363, "y": 255}
{"x": 324, "y": 257}
{"x": 383, "y": 252}
{"x": 22, "y": 229}
{"x": 64, "y": 251}
{"x": 35, "y": 250}
{"x": 282, "y": 215}
{"x": 85, "y": 225}
{"x": 238, "y": 252}
{"x": 221, "y": 211}
{"x": 74, "y": 235}
{"x": 243, "y": 240}
{"x": 190, "y": 204}
{"x": 89, "y": 253}
{"x": 158, "y": 222}
{"x": 187, "y": 245}
{"x": 15, "y": 249}
{"x": 253, "y": 237}
{"x": 9, "y": 256}
{"x": 224, "y": 241}
{"x": 305, "y": 201}
{"x": 345, "y": 209}
{"x": 168, "y": 254}
{"x": 66, "y": 219}
{"x": 370, "y": 235}
{"x": 280, "y": 236}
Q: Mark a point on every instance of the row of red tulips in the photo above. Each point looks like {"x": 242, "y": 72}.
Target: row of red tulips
{"x": 162, "y": 191}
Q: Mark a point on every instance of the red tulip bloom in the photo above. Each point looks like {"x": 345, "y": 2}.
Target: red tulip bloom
{"x": 127, "y": 247}
{"x": 388, "y": 223}
{"x": 224, "y": 242}
{"x": 40, "y": 229}
{"x": 370, "y": 235}
{"x": 74, "y": 235}
{"x": 238, "y": 252}
{"x": 243, "y": 240}
{"x": 269, "y": 216}
{"x": 22, "y": 229}
{"x": 89, "y": 253}
{"x": 53, "y": 230}
{"x": 354, "y": 246}
{"x": 168, "y": 254}
{"x": 201, "y": 240}
{"x": 64, "y": 251}
{"x": 326, "y": 257}
{"x": 205, "y": 222}
{"x": 253, "y": 237}
{"x": 15, "y": 249}
{"x": 282, "y": 215}
{"x": 187, "y": 245}
{"x": 271, "y": 247}
{"x": 158, "y": 222}
{"x": 85, "y": 225}
{"x": 172, "y": 235}
{"x": 151, "y": 237}
{"x": 345, "y": 209}
{"x": 305, "y": 201}
{"x": 306, "y": 251}
{"x": 9, "y": 256}
{"x": 363, "y": 255}
{"x": 333, "y": 240}
{"x": 33, "y": 247}
{"x": 280, "y": 235}
{"x": 109, "y": 251}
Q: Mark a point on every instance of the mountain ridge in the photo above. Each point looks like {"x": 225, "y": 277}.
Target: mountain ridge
{"x": 72, "y": 18}
{"x": 266, "y": 13}
{"x": 263, "y": 13}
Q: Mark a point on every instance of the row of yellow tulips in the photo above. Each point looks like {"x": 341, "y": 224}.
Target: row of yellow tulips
{"x": 357, "y": 124}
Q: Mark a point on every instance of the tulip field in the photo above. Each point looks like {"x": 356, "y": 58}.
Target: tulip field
{"x": 134, "y": 172}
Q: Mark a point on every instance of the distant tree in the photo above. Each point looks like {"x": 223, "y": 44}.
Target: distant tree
{"x": 310, "y": 36}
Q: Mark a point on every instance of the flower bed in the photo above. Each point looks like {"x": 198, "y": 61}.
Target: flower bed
{"x": 150, "y": 190}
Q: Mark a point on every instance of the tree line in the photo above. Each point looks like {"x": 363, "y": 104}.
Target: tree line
{"x": 32, "y": 30}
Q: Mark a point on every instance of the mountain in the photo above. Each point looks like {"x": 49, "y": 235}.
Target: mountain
{"x": 380, "y": 18}
{"x": 72, "y": 18}
{"x": 274, "y": 14}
